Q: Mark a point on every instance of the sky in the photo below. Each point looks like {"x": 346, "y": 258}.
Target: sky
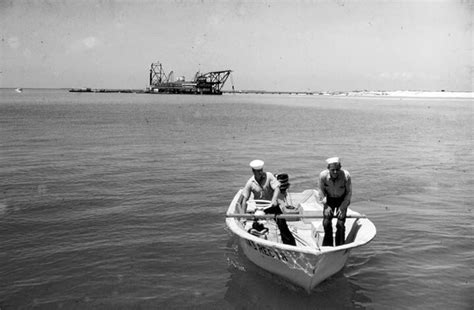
{"x": 269, "y": 45}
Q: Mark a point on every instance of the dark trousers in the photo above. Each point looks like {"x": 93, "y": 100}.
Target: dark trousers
{"x": 328, "y": 240}
{"x": 286, "y": 235}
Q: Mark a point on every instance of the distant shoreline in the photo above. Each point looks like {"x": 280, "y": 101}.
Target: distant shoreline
{"x": 362, "y": 93}
{"x": 398, "y": 93}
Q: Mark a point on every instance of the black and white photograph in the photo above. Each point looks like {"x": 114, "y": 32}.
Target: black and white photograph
{"x": 236, "y": 154}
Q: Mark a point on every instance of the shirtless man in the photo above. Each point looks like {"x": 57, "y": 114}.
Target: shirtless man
{"x": 336, "y": 192}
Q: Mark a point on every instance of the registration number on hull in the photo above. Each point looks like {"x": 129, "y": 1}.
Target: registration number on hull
{"x": 270, "y": 252}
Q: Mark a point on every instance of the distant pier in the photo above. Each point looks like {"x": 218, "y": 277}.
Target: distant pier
{"x": 104, "y": 90}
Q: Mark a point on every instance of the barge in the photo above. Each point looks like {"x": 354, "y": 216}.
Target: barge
{"x": 209, "y": 83}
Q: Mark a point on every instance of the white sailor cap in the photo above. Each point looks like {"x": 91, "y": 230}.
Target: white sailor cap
{"x": 256, "y": 164}
{"x": 333, "y": 160}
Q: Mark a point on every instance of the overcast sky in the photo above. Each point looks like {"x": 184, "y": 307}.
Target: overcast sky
{"x": 269, "y": 45}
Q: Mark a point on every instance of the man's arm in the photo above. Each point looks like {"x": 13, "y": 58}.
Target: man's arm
{"x": 275, "y": 185}
{"x": 323, "y": 196}
{"x": 276, "y": 192}
{"x": 245, "y": 197}
{"x": 348, "y": 195}
{"x": 244, "y": 204}
{"x": 322, "y": 192}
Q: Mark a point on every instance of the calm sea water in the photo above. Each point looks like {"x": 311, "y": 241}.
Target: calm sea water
{"x": 117, "y": 201}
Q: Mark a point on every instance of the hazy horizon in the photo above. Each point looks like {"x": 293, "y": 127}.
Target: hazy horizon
{"x": 269, "y": 45}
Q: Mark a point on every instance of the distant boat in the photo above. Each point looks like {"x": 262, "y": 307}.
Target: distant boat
{"x": 19, "y": 90}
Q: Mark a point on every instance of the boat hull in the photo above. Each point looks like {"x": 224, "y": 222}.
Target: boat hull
{"x": 302, "y": 269}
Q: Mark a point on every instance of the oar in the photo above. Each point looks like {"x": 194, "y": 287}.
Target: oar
{"x": 287, "y": 216}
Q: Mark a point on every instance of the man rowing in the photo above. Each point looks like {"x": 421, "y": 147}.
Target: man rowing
{"x": 265, "y": 186}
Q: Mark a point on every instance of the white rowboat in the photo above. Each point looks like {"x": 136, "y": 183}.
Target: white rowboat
{"x": 308, "y": 263}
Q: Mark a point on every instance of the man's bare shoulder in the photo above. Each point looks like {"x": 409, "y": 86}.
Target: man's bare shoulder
{"x": 324, "y": 174}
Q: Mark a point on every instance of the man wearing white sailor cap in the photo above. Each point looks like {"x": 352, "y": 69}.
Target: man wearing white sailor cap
{"x": 265, "y": 186}
{"x": 336, "y": 192}
{"x": 262, "y": 184}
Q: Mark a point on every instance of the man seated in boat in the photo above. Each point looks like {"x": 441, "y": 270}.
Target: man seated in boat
{"x": 336, "y": 192}
{"x": 265, "y": 186}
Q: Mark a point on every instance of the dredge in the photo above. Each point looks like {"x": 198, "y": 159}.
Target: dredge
{"x": 209, "y": 83}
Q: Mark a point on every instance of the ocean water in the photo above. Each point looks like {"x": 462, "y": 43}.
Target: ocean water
{"x": 117, "y": 201}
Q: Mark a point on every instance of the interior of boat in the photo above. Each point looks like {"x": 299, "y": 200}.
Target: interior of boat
{"x": 308, "y": 232}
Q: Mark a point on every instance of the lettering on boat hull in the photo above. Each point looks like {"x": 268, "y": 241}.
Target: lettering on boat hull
{"x": 270, "y": 252}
